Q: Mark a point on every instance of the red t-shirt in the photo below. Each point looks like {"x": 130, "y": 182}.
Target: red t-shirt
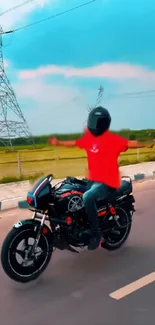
{"x": 102, "y": 153}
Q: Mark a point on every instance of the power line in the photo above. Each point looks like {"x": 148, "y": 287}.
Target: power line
{"x": 139, "y": 92}
{"x": 51, "y": 17}
{"x": 131, "y": 95}
{"x": 16, "y": 7}
{"x": 9, "y": 42}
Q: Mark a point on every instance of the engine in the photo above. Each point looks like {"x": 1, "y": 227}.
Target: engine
{"x": 71, "y": 205}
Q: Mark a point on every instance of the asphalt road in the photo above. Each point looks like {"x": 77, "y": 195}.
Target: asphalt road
{"x": 75, "y": 289}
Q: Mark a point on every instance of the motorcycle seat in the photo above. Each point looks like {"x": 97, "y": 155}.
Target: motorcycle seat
{"x": 124, "y": 189}
{"x": 83, "y": 185}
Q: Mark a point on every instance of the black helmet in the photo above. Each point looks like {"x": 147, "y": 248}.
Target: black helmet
{"x": 99, "y": 121}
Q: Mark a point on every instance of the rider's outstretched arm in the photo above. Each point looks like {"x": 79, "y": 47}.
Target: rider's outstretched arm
{"x": 134, "y": 144}
{"x": 68, "y": 143}
{"x": 81, "y": 142}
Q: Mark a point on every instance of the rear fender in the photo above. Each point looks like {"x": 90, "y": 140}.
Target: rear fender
{"x": 35, "y": 223}
{"x": 128, "y": 203}
{"x": 131, "y": 200}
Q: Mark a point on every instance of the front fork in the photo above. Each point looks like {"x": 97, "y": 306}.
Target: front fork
{"x": 43, "y": 218}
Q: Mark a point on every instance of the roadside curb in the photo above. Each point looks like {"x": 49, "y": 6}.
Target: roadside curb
{"x": 12, "y": 203}
{"x": 9, "y": 203}
{"x": 142, "y": 176}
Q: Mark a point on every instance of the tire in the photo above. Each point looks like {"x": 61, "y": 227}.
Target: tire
{"x": 9, "y": 262}
{"x": 108, "y": 245}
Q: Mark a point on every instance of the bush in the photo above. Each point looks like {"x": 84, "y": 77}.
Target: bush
{"x": 125, "y": 162}
{"x": 13, "y": 179}
{"x": 148, "y": 158}
{"x": 33, "y": 179}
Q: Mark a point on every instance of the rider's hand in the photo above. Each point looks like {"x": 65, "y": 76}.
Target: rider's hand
{"x": 53, "y": 141}
{"x": 151, "y": 146}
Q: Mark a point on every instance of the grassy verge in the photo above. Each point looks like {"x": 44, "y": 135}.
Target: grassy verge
{"x": 60, "y": 168}
{"x": 52, "y": 153}
{"x": 59, "y": 161}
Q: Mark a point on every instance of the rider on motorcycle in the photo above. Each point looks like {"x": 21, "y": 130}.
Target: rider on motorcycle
{"x": 103, "y": 149}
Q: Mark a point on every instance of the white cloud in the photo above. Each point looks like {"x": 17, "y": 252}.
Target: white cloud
{"x": 104, "y": 70}
{"x": 42, "y": 92}
{"x": 12, "y": 18}
{"x": 52, "y": 108}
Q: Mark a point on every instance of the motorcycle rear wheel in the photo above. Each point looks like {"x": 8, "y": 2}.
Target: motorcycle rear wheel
{"x": 21, "y": 272}
{"x": 114, "y": 241}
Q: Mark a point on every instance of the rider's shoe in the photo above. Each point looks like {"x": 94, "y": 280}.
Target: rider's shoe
{"x": 95, "y": 242}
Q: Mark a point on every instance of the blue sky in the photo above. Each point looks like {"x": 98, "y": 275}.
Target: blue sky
{"x": 57, "y": 67}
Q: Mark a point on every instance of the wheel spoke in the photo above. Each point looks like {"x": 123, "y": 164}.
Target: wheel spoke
{"x": 19, "y": 252}
{"x": 115, "y": 232}
{"x": 39, "y": 255}
{"x": 26, "y": 242}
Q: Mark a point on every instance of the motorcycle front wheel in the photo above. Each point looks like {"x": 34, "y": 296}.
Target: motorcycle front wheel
{"x": 19, "y": 260}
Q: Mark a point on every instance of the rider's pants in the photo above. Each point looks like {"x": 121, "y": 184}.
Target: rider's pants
{"x": 97, "y": 190}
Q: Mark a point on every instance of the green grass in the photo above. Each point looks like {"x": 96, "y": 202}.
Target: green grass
{"x": 59, "y": 161}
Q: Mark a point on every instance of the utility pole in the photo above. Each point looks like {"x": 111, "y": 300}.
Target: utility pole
{"x": 98, "y": 100}
{"x": 12, "y": 121}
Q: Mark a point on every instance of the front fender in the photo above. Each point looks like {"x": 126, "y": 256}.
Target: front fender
{"x": 31, "y": 222}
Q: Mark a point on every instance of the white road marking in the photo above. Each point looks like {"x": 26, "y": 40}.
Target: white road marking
{"x": 132, "y": 287}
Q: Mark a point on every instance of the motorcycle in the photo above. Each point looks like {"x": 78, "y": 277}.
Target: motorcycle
{"x": 59, "y": 221}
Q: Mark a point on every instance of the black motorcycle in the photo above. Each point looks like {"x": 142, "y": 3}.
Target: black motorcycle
{"x": 59, "y": 221}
